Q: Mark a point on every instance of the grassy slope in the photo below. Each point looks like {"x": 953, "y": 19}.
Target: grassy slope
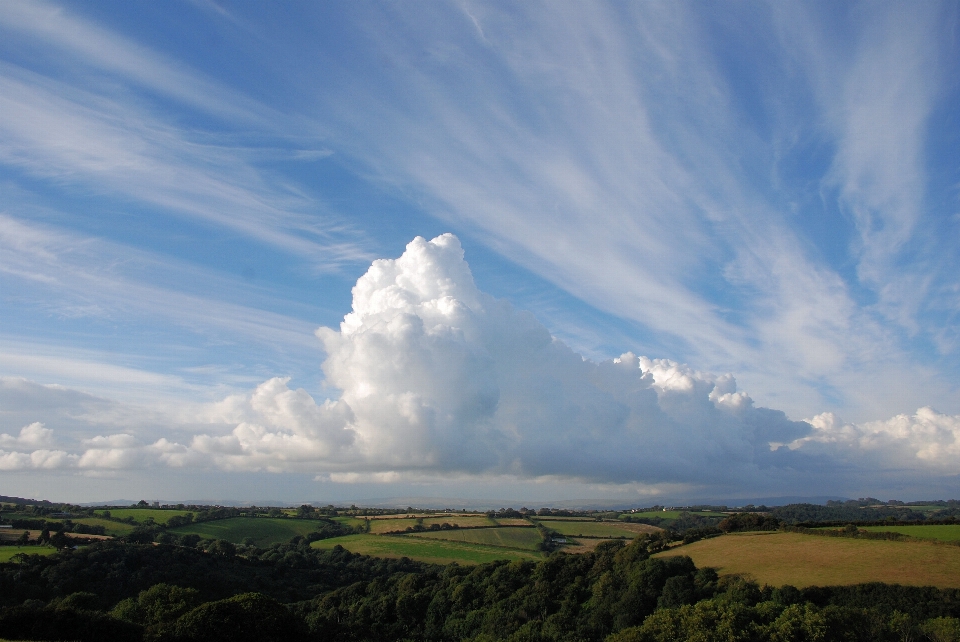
{"x": 7, "y": 552}
{"x": 265, "y": 531}
{"x": 522, "y": 538}
{"x": 423, "y": 549}
{"x": 805, "y": 560}
{"x": 943, "y": 532}
{"x": 160, "y": 516}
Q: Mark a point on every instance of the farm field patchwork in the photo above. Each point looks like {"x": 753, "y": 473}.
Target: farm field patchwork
{"x": 942, "y": 532}
{"x": 159, "y": 515}
{"x": 509, "y": 537}
{"x": 436, "y": 551}
{"x": 807, "y": 560}
{"x": 264, "y": 531}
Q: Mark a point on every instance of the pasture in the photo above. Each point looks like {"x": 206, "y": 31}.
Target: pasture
{"x": 159, "y": 515}
{"x": 508, "y": 537}
{"x": 942, "y": 532}
{"x": 435, "y": 551}
{"x": 807, "y": 560}
{"x": 7, "y": 552}
{"x": 116, "y": 529}
{"x": 264, "y": 531}
{"x": 599, "y": 529}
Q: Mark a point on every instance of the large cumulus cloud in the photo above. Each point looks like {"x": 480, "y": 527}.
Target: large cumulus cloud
{"x": 429, "y": 376}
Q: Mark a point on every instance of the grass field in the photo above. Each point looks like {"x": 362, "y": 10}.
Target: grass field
{"x": 806, "y": 560}
{"x": 349, "y": 521}
{"x": 510, "y": 537}
{"x": 160, "y": 516}
{"x": 436, "y": 551}
{"x": 599, "y": 529}
{"x": 264, "y": 531}
{"x": 943, "y": 532}
{"x": 7, "y": 552}
{"x": 112, "y": 528}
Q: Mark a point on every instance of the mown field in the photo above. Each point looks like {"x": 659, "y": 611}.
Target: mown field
{"x": 942, "y": 532}
{"x": 508, "y": 537}
{"x": 436, "y": 551}
{"x": 160, "y": 516}
{"x": 807, "y": 560}
{"x": 598, "y": 529}
{"x": 264, "y": 531}
{"x": 7, "y": 552}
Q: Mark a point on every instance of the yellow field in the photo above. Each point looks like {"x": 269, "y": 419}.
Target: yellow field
{"x": 808, "y": 560}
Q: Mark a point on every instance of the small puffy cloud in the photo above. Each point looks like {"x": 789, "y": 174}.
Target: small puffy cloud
{"x": 32, "y": 449}
{"x": 926, "y": 439}
{"x": 34, "y": 435}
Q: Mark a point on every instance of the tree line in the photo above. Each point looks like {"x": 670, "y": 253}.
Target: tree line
{"x": 126, "y": 591}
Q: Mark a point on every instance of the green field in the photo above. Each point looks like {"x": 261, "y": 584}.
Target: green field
{"x": 807, "y": 560}
{"x": 510, "y": 537}
{"x": 159, "y": 515}
{"x": 436, "y": 551}
{"x": 943, "y": 532}
{"x": 350, "y": 521}
{"x": 265, "y": 531}
{"x": 7, "y": 552}
{"x": 594, "y": 529}
{"x": 115, "y": 529}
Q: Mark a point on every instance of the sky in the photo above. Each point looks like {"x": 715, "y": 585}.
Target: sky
{"x": 649, "y": 252}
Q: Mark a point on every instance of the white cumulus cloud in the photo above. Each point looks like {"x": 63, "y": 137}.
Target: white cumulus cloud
{"x": 430, "y": 378}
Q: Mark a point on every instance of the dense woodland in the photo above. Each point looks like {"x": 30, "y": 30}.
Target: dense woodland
{"x": 130, "y": 591}
{"x": 140, "y": 588}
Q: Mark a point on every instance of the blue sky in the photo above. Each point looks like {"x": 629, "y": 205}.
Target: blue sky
{"x": 755, "y": 204}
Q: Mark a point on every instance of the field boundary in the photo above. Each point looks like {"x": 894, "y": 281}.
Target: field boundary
{"x": 892, "y": 536}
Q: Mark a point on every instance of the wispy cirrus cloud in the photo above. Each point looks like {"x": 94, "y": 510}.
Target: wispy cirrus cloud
{"x": 606, "y": 149}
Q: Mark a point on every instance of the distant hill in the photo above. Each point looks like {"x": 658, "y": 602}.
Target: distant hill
{"x": 22, "y": 500}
